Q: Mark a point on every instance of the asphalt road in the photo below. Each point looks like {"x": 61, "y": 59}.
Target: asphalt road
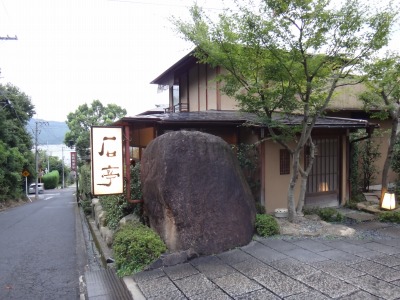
{"x": 39, "y": 248}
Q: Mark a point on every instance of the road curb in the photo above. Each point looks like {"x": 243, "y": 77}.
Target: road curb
{"x": 80, "y": 252}
{"x": 106, "y": 253}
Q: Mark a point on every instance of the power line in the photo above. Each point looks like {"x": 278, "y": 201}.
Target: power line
{"x": 7, "y": 38}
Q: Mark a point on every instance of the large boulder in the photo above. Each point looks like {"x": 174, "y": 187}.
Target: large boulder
{"x": 195, "y": 194}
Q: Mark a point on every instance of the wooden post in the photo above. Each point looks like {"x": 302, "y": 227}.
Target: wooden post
{"x": 127, "y": 163}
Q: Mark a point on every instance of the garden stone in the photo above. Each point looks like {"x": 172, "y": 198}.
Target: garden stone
{"x": 98, "y": 209}
{"x": 102, "y": 219}
{"x": 95, "y": 201}
{"x": 107, "y": 234}
{"x": 129, "y": 219}
{"x": 195, "y": 194}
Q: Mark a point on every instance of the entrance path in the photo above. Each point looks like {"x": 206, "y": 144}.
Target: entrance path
{"x": 366, "y": 267}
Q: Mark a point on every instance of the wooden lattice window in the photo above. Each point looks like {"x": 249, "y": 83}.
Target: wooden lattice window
{"x": 284, "y": 161}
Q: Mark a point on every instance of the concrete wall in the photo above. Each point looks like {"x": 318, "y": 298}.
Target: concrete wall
{"x": 275, "y": 186}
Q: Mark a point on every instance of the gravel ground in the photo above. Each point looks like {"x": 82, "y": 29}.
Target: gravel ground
{"x": 348, "y": 229}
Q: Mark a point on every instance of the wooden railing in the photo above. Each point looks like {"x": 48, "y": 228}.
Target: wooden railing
{"x": 180, "y": 107}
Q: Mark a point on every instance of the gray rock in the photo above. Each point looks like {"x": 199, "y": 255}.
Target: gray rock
{"x": 129, "y": 219}
{"x": 98, "y": 209}
{"x": 101, "y": 220}
{"x": 195, "y": 194}
{"x": 95, "y": 201}
{"x": 107, "y": 234}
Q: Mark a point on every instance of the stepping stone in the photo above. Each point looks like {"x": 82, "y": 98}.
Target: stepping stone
{"x": 361, "y": 217}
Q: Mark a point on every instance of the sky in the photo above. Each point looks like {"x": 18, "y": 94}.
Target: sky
{"x": 71, "y": 52}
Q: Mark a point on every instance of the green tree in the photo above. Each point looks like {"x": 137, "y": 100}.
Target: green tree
{"x": 383, "y": 93}
{"x": 288, "y": 56}
{"x": 80, "y": 121}
{"x": 15, "y": 141}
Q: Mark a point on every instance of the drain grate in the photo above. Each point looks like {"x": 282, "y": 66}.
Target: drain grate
{"x": 105, "y": 284}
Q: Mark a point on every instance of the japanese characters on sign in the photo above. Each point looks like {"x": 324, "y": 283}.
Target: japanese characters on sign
{"x": 73, "y": 161}
{"x": 107, "y": 160}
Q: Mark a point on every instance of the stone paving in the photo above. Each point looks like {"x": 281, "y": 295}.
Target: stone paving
{"x": 285, "y": 268}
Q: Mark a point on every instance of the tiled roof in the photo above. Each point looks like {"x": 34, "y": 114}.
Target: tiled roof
{"x": 238, "y": 117}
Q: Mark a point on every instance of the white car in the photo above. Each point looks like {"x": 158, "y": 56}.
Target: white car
{"x": 32, "y": 188}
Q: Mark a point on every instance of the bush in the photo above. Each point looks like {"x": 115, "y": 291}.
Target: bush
{"x": 266, "y": 225}
{"x": 84, "y": 183}
{"x": 328, "y": 214}
{"x": 390, "y": 216}
{"x": 135, "y": 247}
{"x": 51, "y": 179}
{"x": 116, "y": 207}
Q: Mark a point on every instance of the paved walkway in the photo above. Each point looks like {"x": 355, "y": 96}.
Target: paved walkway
{"x": 284, "y": 268}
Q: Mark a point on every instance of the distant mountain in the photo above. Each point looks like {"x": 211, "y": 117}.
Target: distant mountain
{"x": 49, "y": 132}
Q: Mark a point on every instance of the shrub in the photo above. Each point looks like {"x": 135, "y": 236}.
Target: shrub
{"x": 84, "y": 184}
{"x": 135, "y": 247}
{"x": 136, "y": 185}
{"x": 116, "y": 207}
{"x": 328, "y": 214}
{"x": 51, "y": 179}
{"x": 266, "y": 225}
{"x": 390, "y": 216}
{"x": 248, "y": 157}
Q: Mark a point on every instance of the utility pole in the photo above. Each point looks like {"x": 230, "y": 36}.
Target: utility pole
{"x": 62, "y": 157}
{"x": 48, "y": 158}
{"x": 37, "y": 124}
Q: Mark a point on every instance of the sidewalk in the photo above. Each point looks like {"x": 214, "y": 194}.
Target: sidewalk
{"x": 283, "y": 268}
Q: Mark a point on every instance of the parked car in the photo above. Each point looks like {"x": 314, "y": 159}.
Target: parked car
{"x": 32, "y": 188}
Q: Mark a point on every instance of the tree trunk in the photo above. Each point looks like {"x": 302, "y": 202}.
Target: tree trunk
{"x": 300, "y": 204}
{"x": 388, "y": 160}
{"x": 292, "y": 184}
{"x": 304, "y": 178}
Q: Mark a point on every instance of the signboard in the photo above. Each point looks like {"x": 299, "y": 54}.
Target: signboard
{"x": 107, "y": 160}
{"x": 73, "y": 161}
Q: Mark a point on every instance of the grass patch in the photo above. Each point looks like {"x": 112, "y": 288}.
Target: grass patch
{"x": 390, "y": 216}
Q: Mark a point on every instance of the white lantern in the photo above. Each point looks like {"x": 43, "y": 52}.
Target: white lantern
{"x": 389, "y": 201}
